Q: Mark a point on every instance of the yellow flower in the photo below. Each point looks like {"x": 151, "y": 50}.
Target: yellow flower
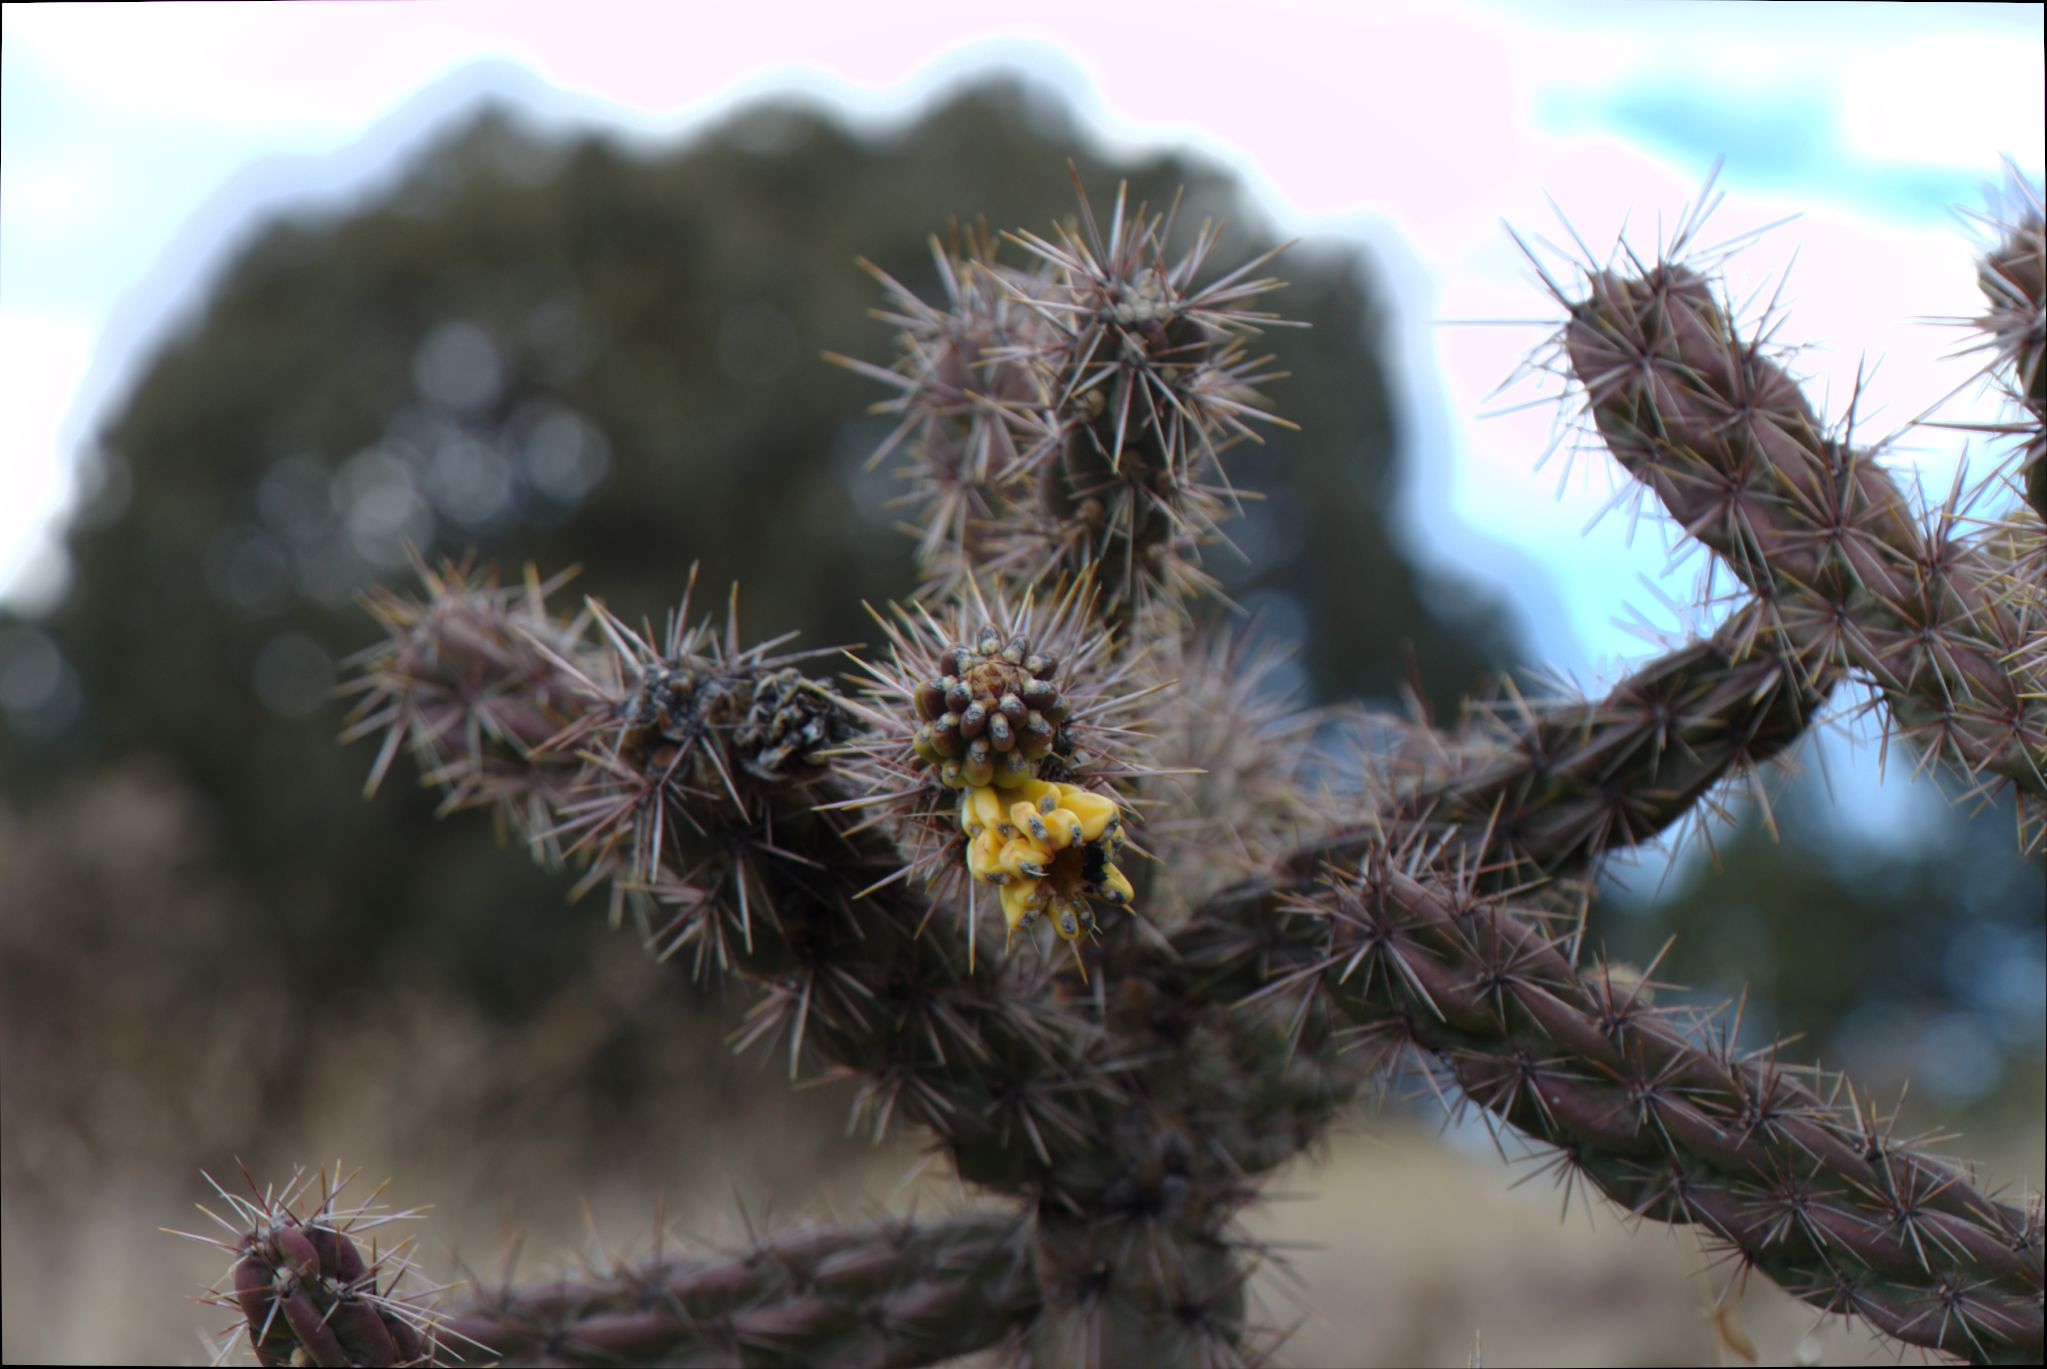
{"x": 1051, "y": 849}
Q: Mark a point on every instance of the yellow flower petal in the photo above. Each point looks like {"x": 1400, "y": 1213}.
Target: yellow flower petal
{"x": 984, "y": 857}
{"x": 1094, "y": 811}
{"x": 1020, "y": 905}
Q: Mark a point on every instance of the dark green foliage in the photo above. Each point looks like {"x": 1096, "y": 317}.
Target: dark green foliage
{"x": 677, "y": 304}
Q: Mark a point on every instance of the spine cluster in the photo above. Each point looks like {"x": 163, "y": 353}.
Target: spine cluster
{"x": 832, "y": 843}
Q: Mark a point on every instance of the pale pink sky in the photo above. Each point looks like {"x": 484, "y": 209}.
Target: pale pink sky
{"x": 1413, "y": 128}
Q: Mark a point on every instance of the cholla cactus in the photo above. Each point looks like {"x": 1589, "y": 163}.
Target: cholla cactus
{"x": 1048, "y": 733}
{"x": 1069, "y": 421}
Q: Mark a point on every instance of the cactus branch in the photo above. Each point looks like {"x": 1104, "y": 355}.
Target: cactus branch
{"x": 886, "y": 1297}
{"x": 889, "y": 1296}
{"x": 1544, "y": 787}
{"x": 1722, "y": 436}
{"x": 1663, "y": 1114}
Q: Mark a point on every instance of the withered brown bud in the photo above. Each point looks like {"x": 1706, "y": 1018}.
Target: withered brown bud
{"x": 993, "y": 713}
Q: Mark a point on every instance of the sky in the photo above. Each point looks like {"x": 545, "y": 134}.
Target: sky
{"x": 140, "y": 145}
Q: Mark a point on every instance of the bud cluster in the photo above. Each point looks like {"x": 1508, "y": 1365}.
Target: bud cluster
{"x": 789, "y": 723}
{"x": 993, "y": 716}
{"x": 773, "y": 723}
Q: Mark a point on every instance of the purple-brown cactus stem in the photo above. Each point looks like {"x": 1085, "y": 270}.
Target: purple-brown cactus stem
{"x": 889, "y": 1296}
{"x": 886, "y": 1297}
{"x": 1537, "y": 787}
{"x": 1725, "y": 440}
{"x": 2013, "y": 329}
{"x": 1146, "y": 378}
{"x": 963, "y": 366}
{"x": 1665, "y": 1116}
{"x": 1129, "y": 1293}
{"x": 300, "y": 1287}
{"x": 467, "y": 678}
{"x": 1069, "y": 421}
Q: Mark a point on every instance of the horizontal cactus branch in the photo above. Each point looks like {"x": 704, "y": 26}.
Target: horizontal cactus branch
{"x": 886, "y": 1297}
{"x": 1662, "y": 1115}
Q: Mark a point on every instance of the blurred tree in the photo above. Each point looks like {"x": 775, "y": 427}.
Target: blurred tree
{"x": 1922, "y": 960}
{"x": 557, "y": 351}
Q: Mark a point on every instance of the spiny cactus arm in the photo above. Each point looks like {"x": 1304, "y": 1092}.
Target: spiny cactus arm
{"x": 888, "y": 1297}
{"x": 1546, "y": 787}
{"x": 2013, "y": 329}
{"x": 1069, "y": 419}
{"x": 299, "y": 1285}
{"x": 1541, "y": 788}
{"x": 660, "y": 771}
{"x": 469, "y": 677}
{"x": 1672, "y": 1124}
{"x": 1723, "y": 437}
{"x": 895, "y": 1294}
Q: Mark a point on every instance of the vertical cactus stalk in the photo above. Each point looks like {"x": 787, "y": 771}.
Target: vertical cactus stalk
{"x": 2013, "y": 329}
{"x": 1068, "y": 421}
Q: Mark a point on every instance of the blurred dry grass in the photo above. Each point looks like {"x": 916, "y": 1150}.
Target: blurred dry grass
{"x": 1422, "y": 1249}
{"x": 123, "y": 1074}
